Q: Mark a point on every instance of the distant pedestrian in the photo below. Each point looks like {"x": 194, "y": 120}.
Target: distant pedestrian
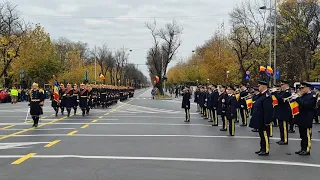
{"x": 14, "y": 95}
{"x": 186, "y": 103}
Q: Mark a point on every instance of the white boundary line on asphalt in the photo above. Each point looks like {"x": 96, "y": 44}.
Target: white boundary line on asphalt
{"x": 196, "y": 160}
{"x": 99, "y": 123}
{"x": 49, "y": 129}
{"x": 153, "y": 135}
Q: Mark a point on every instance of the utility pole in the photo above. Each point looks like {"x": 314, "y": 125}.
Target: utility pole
{"x": 95, "y": 66}
{"x": 275, "y": 42}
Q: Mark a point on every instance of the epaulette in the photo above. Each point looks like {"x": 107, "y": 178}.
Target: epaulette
{"x": 267, "y": 94}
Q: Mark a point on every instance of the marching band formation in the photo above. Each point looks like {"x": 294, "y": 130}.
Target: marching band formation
{"x": 281, "y": 106}
{"x": 85, "y": 97}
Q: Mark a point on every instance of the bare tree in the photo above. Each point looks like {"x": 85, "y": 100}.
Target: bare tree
{"x": 166, "y": 42}
{"x": 106, "y": 61}
{"x": 121, "y": 59}
{"x": 12, "y": 28}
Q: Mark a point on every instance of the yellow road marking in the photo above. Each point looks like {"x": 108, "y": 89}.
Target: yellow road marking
{"x": 7, "y": 127}
{"x": 22, "y": 159}
{"x": 100, "y": 117}
{"x": 72, "y": 133}
{"x": 52, "y": 143}
{"x": 29, "y": 129}
{"x": 43, "y": 117}
{"x": 85, "y": 126}
{"x": 94, "y": 121}
{"x": 107, "y": 113}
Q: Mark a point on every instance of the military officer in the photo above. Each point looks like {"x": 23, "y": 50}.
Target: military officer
{"x": 201, "y": 100}
{"x": 62, "y": 91}
{"x": 255, "y": 97}
{"x": 83, "y": 99}
{"x": 243, "y": 105}
{"x": 214, "y": 99}
{"x": 75, "y": 98}
{"x": 283, "y": 113}
{"x": 186, "y": 103}
{"x": 90, "y": 104}
{"x": 210, "y": 104}
{"x": 317, "y": 111}
{"x": 103, "y": 96}
{"x": 261, "y": 117}
{"x": 222, "y": 107}
{"x": 196, "y": 98}
{"x": 36, "y": 102}
{"x": 231, "y": 109}
{"x": 307, "y": 104}
{"x": 68, "y": 98}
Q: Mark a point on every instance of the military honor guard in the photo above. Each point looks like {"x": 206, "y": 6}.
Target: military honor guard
{"x": 256, "y": 95}
{"x": 186, "y": 103}
{"x": 231, "y": 109}
{"x": 68, "y": 95}
{"x": 222, "y": 107}
{"x": 214, "y": 102}
{"x": 83, "y": 99}
{"x": 243, "y": 105}
{"x": 261, "y": 117}
{"x": 75, "y": 98}
{"x": 36, "y": 102}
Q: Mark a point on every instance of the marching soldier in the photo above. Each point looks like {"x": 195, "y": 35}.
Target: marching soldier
{"x": 103, "y": 96}
{"x": 55, "y": 104}
{"x": 62, "y": 91}
{"x": 222, "y": 107}
{"x": 89, "y": 88}
{"x": 261, "y": 117}
{"x": 307, "y": 104}
{"x": 36, "y": 102}
{"x": 231, "y": 109}
{"x": 69, "y": 98}
{"x": 186, "y": 103}
{"x": 283, "y": 113}
{"x": 83, "y": 99}
{"x": 75, "y": 98}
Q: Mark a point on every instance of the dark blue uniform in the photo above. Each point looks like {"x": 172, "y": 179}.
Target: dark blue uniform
{"x": 307, "y": 104}
{"x": 36, "y": 102}
{"x": 243, "y": 107}
{"x": 62, "y": 99}
{"x": 69, "y": 100}
{"x": 75, "y": 100}
{"x": 222, "y": 110}
{"x": 261, "y": 118}
{"x": 186, "y": 104}
{"x": 231, "y": 111}
{"x": 196, "y": 99}
{"x": 201, "y": 101}
{"x": 283, "y": 114}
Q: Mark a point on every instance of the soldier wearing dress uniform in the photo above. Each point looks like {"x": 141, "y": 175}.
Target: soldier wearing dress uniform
{"x": 196, "y": 98}
{"x": 103, "y": 96}
{"x": 55, "y": 104}
{"x": 317, "y": 110}
{"x": 75, "y": 98}
{"x": 243, "y": 105}
{"x": 222, "y": 107}
{"x": 36, "y": 102}
{"x": 68, "y": 98}
{"x": 307, "y": 104}
{"x": 231, "y": 109}
{"x": 90, "y": 103}
{"x": 83, "y": 99}
{"x": 62, "y": 97}
{"x": 214, "y": 99}
{"x": 210, "y": 104}
{"x": 283, "y": 113}
{"x": 186, "y": 103}
{"x": 201, "y": 100}
{"x": 261, "y": 117}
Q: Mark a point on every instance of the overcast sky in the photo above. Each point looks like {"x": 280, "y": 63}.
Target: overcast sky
{"x": 120, "y": 23}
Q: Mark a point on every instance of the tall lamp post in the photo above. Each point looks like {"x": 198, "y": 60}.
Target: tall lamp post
{"x": 275, "y": 37}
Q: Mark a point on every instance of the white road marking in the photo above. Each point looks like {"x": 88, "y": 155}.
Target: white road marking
{"x": 154, "y": 135}
{"x": 77, "y": 119}
{"x": 253, "y": 161}
{"x": 17, "y": 145}
{"x": 49, "y": 129}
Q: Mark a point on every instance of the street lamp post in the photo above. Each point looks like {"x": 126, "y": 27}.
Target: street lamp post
{"x": 275, "y": 38}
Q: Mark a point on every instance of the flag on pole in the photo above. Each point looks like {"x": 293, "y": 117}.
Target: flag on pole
{"x": 101, "y": 76}
{"x": 262, "y": 69}
{"x": 269, "y": 70}
{"x": 56, "y": 91}
{"x": 278, "y": 74}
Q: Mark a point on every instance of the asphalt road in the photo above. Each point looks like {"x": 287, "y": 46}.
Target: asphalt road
{"x": 142, "y": 139}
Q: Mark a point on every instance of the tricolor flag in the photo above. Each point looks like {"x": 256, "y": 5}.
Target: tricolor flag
{"x": 294, "y": 107}
{"x": 249, "y": 103}
{"x": 274, "y": 101}
{"x": 269, "y": 70}
{"x": 262, "y": 69}
{"x": 101, "y": 76}
{"x": 56, "y": 91}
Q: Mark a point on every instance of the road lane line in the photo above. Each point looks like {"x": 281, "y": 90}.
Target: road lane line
{"x": 94, "y": 121}
{"x": 100, "y": 117}
{"x": 29, "y": 129}
{"x": 52, "y": 143}
{"x": 24, "y": 158}
{"x": 72, "y": 133}
{"x": 85, "y": 126}
{"x": 8, "y": 127}
{"x": 233, "y": 161}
